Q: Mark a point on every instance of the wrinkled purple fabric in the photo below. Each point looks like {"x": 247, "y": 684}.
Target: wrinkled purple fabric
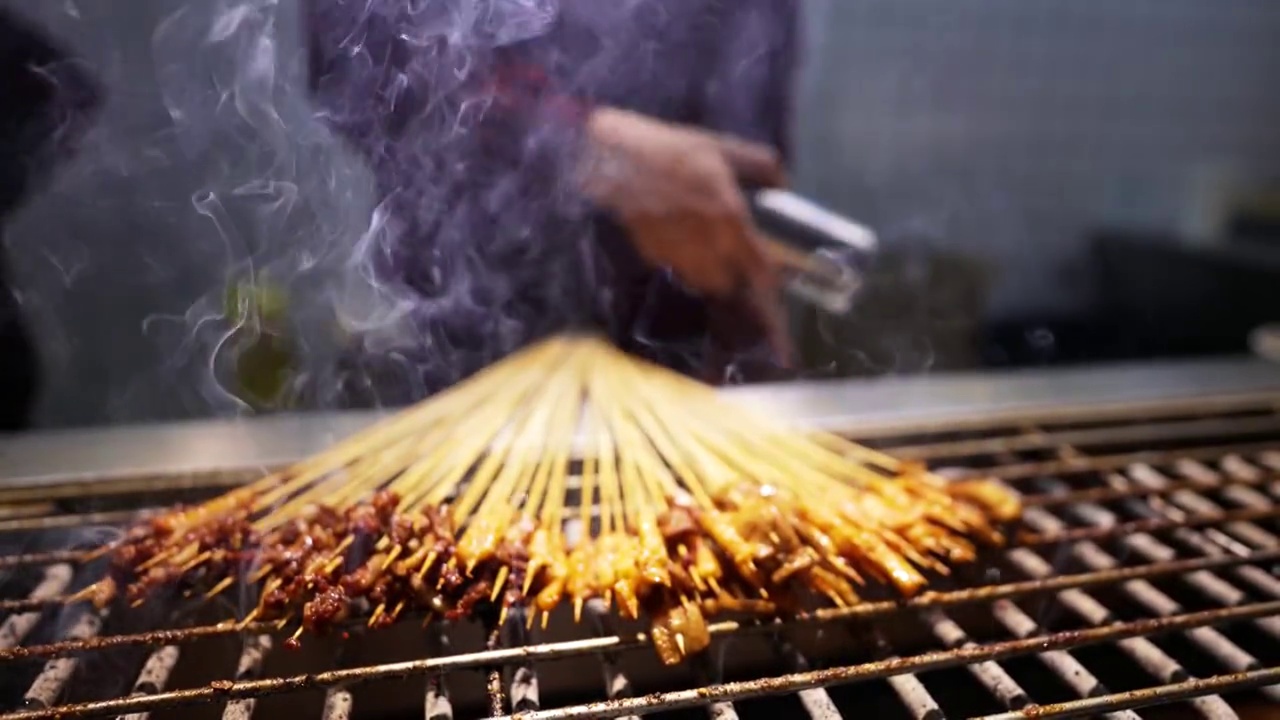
{"x": 489, "y": 234}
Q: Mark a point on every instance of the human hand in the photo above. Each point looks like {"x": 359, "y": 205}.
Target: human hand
{"x": 676, "y": 191}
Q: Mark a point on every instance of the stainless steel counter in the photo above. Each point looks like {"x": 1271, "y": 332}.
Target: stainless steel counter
{"x": 862, "y": 408}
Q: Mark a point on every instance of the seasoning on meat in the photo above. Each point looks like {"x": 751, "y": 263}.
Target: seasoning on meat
{"x": 688, "y": 508}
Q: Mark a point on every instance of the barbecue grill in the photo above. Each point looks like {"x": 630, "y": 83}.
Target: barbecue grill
{"x": 1143, "y": 583}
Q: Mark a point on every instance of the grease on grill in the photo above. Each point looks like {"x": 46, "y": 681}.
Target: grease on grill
{"x": 337, "y": 705}
{"x": 49, "y": 685}
{"x": 991, "y": 675}
{"x": 920, "y": 704}
{"x": 1064, "y": 665}
{"x": 1163, "y": 492}
{"x": 16, "y": 627}
{"x": 155, "y": 674}
{"x": 436, "y": 704}
{"x": 252, "y": 657}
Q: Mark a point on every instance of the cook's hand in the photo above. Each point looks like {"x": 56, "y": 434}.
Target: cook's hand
{"x": 676, "y": 191}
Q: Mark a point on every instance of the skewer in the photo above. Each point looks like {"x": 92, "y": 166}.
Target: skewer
{"x": 463, "y": 498}
{"x": 221, "y": 586}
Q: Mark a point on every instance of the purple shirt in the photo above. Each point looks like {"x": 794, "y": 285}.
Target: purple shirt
{"x": 490, "y": 239}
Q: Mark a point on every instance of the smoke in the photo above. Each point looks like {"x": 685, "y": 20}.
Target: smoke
{"x": 307, "y": 209}
{"x": 280, "y": 199}
{"x": 323, "y": 296}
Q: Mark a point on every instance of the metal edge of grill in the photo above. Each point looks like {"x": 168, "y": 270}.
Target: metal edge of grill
{"x": 1165, "y": 521}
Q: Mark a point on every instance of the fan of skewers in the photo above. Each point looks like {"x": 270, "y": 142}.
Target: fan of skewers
{"x": 686, "y": 505}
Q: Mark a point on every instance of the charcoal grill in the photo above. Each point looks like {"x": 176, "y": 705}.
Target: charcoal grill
{"x": 1143, "y": 584}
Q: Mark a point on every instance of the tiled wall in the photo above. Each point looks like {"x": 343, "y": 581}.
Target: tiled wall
{"x": 1006, "y": 128}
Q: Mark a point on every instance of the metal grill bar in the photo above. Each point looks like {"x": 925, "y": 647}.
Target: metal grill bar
{"x": 1158, "y": 417}
{"x": 1157, "y": 662}
{"x": 1241, "y": 494}
{"x": 1141, "y": 511}
{"x": 73, "y": 520}
{"x": 154, "y": 637}
{"x": 524, "y": 682}
{"x": 1160, "y": 695}
{"x": 716, "y": 709}
{"x": 1067, "y": 496}
{"x": 1096, "y": 463}
{"x": 1216, "y": 544}
{"x": 134, "y": 484}
{"x": 867, "y": 610}
{"x": 29, "y": 510}
{"x": 1146, "y": 526}
{"x": 51, "y": 681}
{"x": 927, "y": 661}
{"x": 339, "y": 702}
{"x": 1196, "y": 481}
{"x": 1094, "y": 437}
{"x": 1270, "y": 459}
{"x": 991, "y": 675}
{"x": 1063, "y": 664}
{"x": 250, "y": 689}
{"x": 493, "y": 684}
{"x": 16, "y": 627}
{"x": 33, "y": 602}
{"x": 337, "y": 705}
{"x": 1149, "y": 657}
{"x": 44, "y": 558}
{"x": 1240, "y": 481}
{"x": 254, "y": 654}
{"x": 436, "y": 705}
{"x": 1207, "y": 583}
{"x": 1148, "y": 547}
{"x": 1159, "y": 604}
{"x": 816, "y": 701}
{"x": 154, "y": 676}
{"x": 616, "y": 684}
{"x": 907, "y": 686}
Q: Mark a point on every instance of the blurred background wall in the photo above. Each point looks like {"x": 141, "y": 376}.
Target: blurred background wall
{"x": 1001, "y": 135}
{"x": 986, "y": 140}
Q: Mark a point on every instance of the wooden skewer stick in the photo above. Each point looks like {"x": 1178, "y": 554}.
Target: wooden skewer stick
{"x": 221, "y": 586}
{"x": 500, "y": 581}
{"x": 785, "y": 508}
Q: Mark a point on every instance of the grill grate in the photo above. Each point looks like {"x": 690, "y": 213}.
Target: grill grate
{"x": 1144, "y": 581}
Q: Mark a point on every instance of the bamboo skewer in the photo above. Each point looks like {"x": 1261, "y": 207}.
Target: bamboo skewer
{"x": 689, "y": 505}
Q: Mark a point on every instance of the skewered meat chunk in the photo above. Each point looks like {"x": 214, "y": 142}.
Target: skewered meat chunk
{"x": 102, "y": 593}
{"x": 678, "y": 524}
{"x": 620, "y": 553}
{"x": 475, "y": 593}
{"x": 652, "y": 559}
{"x": 481, "y": 539}
{"x": 579, "y": 583}
{"x": 992, "y": 497}
{"x": 750, "y": 606}
{"x": 742, "y": 546}
{"x": 744, "y": 553}
{"x": 330, "y": 607}
{"x": 678, "y": 631}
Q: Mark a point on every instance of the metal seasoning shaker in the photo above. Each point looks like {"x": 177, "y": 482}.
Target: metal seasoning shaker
{"x": 824, "y": 255}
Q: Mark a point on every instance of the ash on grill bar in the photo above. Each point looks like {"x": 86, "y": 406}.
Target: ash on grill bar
{"x": 1140, "y": 583}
